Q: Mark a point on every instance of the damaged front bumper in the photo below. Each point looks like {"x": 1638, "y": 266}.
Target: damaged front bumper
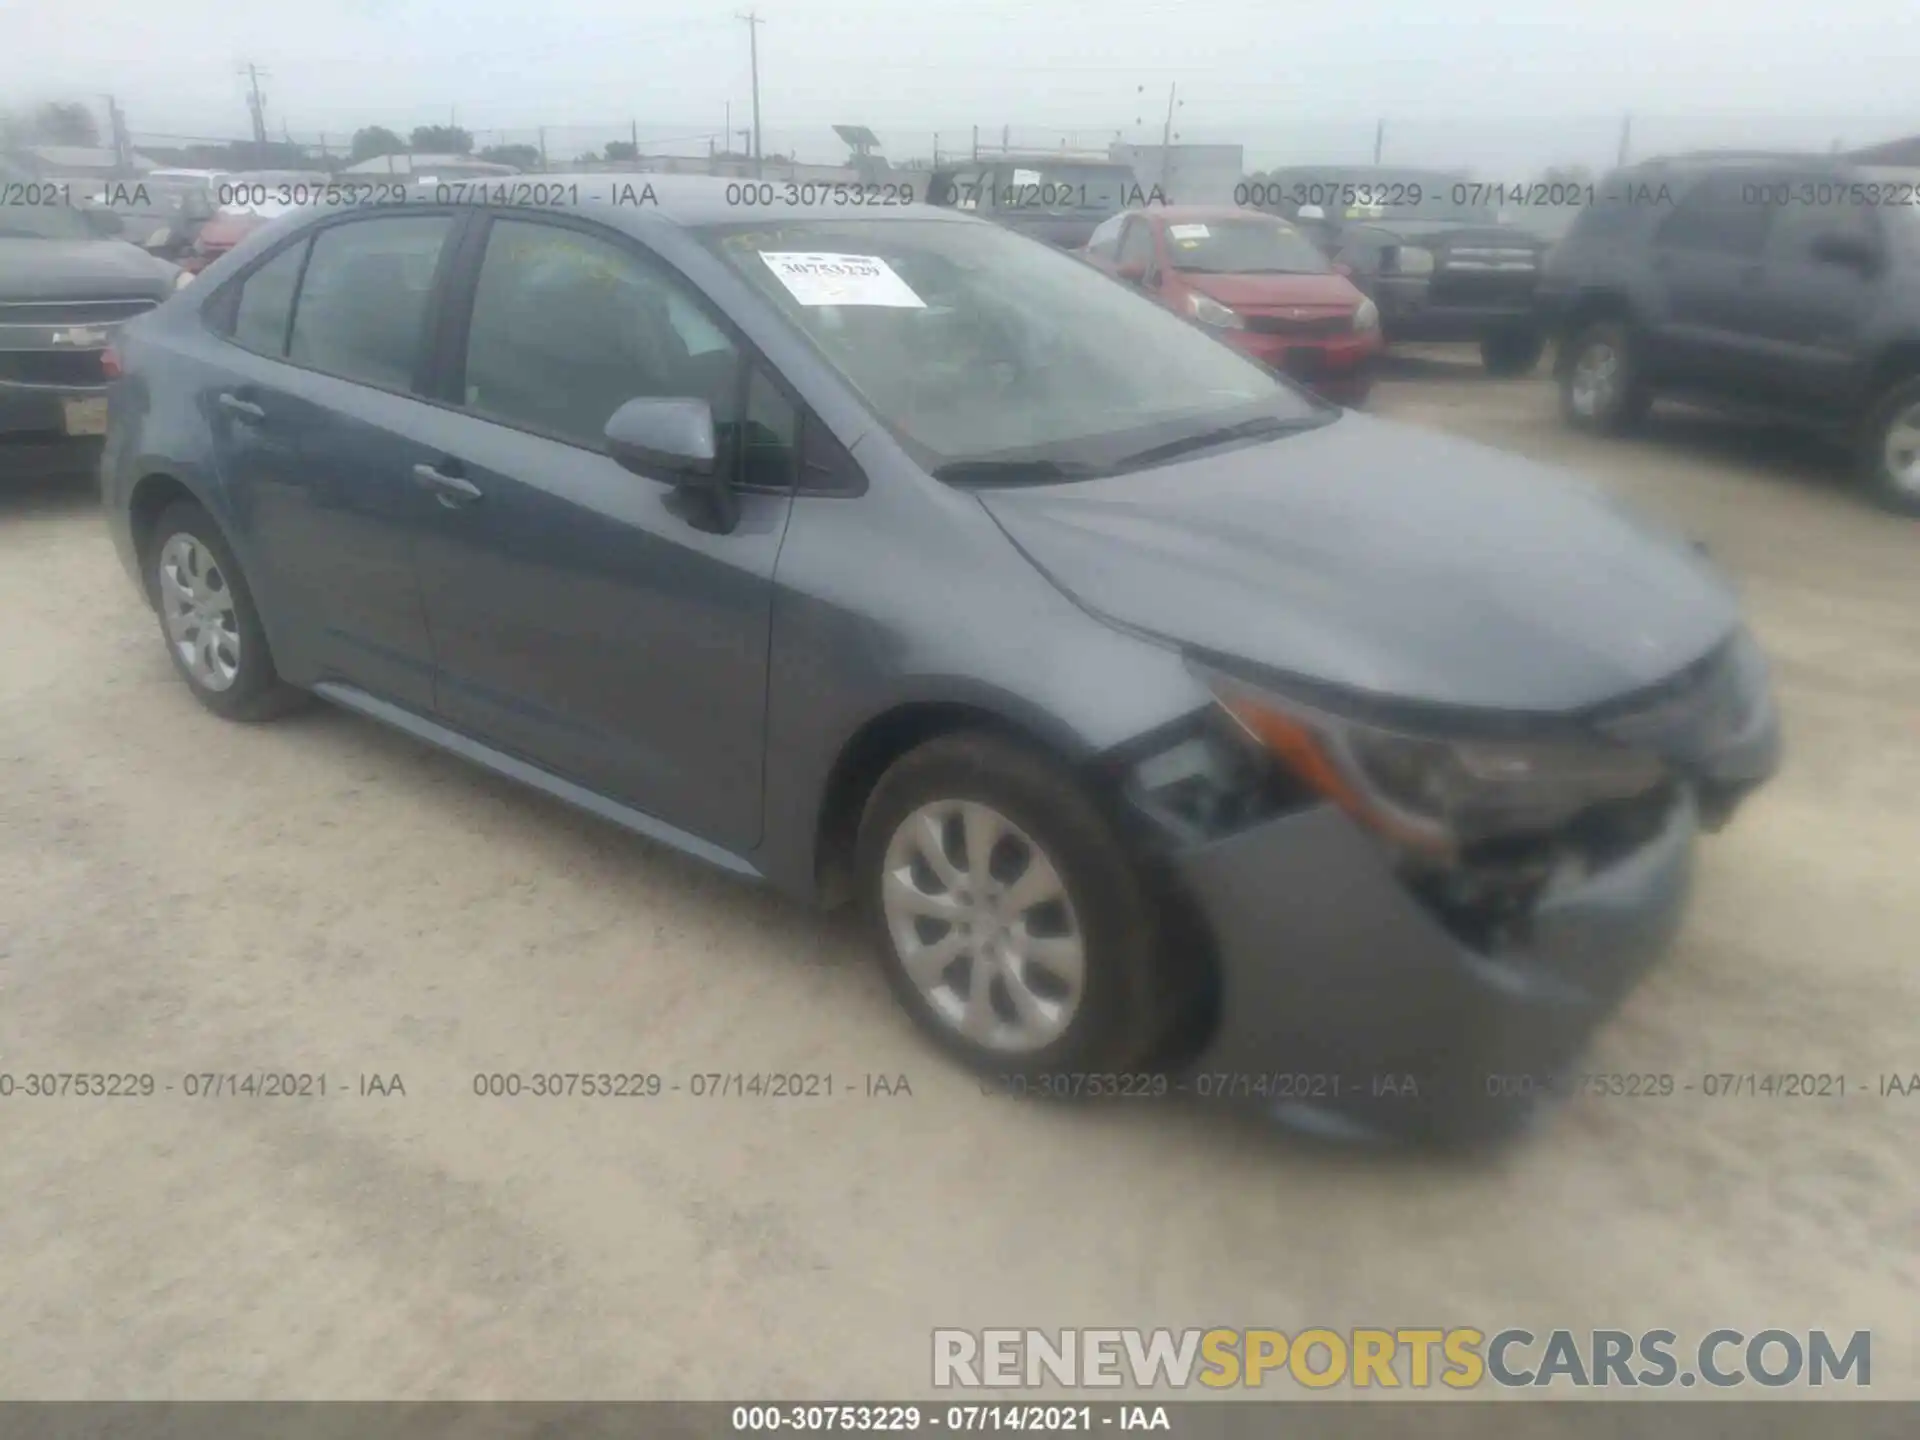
{"x": 1349, "y": 1005}
{"x": 1345, "y": 1004}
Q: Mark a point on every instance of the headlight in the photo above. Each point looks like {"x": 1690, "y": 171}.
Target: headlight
{"x": 1430, "y": 794}
{"x": 1412, "y": 260}
{"x": 1366, "y": 318}
{"x": 183, "y": 279}
{"x": 1211, "y": 312}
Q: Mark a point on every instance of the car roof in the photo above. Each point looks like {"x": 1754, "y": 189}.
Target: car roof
{"x": 691, "y": 202}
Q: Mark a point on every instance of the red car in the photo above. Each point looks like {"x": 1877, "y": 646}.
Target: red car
{"x": 229, "y": 226}
{"x": 1258, "y": 282}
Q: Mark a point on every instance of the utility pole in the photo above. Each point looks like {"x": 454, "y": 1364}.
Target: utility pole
{"x": 726, "y": 135}
{"x": 1166, "y": 144}
{"x": 543, "y": 149}
{"x": 754, "y": 22}
{"x": 1379, "y": 139}
{"x": 1626, "y": 131}
{"x": 256, "y": 105}
{"x": 257, "y": 110}
{"x": 976, "y": 142}
{"x": 633, "y": 137}
{"x": 122, "y": 144}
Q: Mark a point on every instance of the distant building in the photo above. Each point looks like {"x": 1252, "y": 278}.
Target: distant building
{"x": 1186, "y": 174}
{"x": 78, "y": 161}
{"x": 437, "y": 167}
{"x": 1894, "y": 152}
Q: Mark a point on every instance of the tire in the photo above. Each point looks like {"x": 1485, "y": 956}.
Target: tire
{"x": 196, "y": 587}
{"x": 1124, "y": 1003}
{"x": 1596, "y": 400}
{"x": 1512, "y": 352}
{"x": 1892, "y": 428}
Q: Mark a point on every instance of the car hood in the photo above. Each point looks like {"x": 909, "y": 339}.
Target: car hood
{"x": 1385, "y": 561}
{"x": 1320, "y": 292}
{"x": 79, "y": 270}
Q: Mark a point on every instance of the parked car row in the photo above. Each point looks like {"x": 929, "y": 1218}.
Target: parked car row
{"x": 1174, "y": 728}
{"x": 1777, "y": 285}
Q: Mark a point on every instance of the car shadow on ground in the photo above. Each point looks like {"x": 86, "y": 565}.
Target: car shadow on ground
{"x": 47, "y": 496}
{"x": 1762, "y": 447}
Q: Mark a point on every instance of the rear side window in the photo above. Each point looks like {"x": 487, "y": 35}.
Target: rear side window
{"x": 362, "y": 311}
{"x": 1720, "y": 215}
{"x": 266, "y": 303}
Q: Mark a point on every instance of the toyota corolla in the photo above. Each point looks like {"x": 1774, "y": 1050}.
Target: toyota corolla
{"x": 1178, "y": 732}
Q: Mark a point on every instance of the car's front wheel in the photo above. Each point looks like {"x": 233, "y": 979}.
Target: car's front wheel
{"x": 1890, "y": 448}
{"x": 208, "y": 619}
{"x": 1600, "y": 385}
{"x": 1010, "y": 922}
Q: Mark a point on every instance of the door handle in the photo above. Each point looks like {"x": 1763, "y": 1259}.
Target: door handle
{"x": 230, "y": 401}
{"x": 449, "y": 490}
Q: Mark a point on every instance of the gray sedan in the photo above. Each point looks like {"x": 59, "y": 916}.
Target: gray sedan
{"x": 1179, "y": 733}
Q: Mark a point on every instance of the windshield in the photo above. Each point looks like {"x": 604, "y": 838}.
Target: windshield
{"x": 1243, "y": 246}
{"x": 974, "y": 344}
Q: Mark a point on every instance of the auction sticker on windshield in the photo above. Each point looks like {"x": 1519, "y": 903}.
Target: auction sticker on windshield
{"x": 841, "y": 280}
{"x": 1187, "y": 232}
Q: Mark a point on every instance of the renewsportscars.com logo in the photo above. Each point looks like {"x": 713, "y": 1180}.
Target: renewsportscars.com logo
{"x": 1461, "y": 1358}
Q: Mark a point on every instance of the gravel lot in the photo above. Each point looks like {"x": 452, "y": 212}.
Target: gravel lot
{"x": 180, "y": 896}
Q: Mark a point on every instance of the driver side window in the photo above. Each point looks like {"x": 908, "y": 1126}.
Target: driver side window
{"x": 567, "y": 328}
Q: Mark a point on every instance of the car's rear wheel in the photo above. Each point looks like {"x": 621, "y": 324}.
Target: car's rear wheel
{"x": 1512, "y": 351}
{"x": 1600, "y": 385}
{"x": 1890, "y": 448}
{"x": 208, "y": 619}
{"x": 1010, "y": 922}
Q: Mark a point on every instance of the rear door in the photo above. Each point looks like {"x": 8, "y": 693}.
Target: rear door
{"x": 1708, "y": 268}
{"x": 313, "y": 422}
{"x": 584, "y": 617}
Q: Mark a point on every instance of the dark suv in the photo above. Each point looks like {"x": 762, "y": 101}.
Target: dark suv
{"x": 1780, "y": 285}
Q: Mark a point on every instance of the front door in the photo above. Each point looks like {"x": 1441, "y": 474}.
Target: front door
{"x": 586, "y": 618}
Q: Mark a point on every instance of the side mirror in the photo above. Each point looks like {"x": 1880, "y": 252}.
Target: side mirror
{"x": 104, "y": 223}
{"x": 1340, "y": 267}
{"x": 1133, "y": 273}
{"x": 673, "y": 441}
{"x": 1843, "y": 248}
{"x": 670, "y": 440}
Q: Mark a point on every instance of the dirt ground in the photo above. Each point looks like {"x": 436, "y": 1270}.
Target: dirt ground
{"x": 179, "y": 896}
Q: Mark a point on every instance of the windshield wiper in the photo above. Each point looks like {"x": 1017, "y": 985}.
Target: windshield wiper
{"x": 1224, "y": 435}
{"x": 1015, "y": 472}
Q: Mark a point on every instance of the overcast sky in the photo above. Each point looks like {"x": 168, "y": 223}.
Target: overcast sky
{"x": 1486, "y": 83}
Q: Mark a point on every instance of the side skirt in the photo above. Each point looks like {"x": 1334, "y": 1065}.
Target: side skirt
{"x": 638, "y": 822}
